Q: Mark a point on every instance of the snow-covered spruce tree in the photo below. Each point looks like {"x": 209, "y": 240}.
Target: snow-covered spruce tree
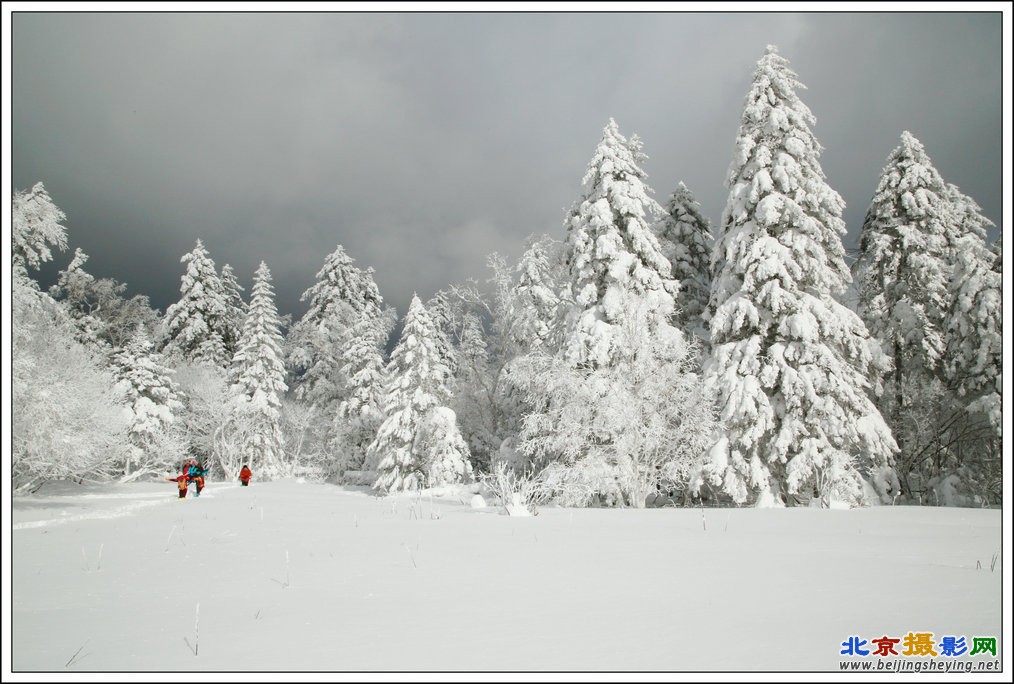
{"x": 416, "y": 386}
{"x": 460, "y": 342}
{"x": 903, "y": 271}
{"x": 974, "y": 359}
{"x": 606, "y": 417}
{"x": 613, "y": 256}
{"x": 447, "y": 328}
{"x": 154, "y": 400}
{"x": 195, "y": 325}
{"x": 790, "y": 364}
{"x": 973, "y": 364}
{"x": 685, "y": 240}
{"x": 337, "y": 300}
{"x": 541, "y": 275}
{"x": 260, "y": 383}
{"x": 474, "y": 386}
{"x": 361, "y": 410}
{"x": 991, "y": 402}
{"x": 235, "y": 309}
{"x": 446, "y": 454}
{"x": 36, "y": 225}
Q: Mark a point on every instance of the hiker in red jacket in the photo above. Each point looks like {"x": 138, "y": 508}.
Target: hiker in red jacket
{"x": 181, "y": 481}
{"x": 244, "y": 475}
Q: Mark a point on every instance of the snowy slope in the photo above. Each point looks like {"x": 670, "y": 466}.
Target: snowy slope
{"x": 293, "y": 577}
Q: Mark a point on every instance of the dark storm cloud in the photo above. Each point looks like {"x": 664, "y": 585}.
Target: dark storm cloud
{"x": 423, "y": 142}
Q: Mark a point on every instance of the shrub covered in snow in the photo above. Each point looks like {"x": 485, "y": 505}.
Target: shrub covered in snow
{"x": 68, "y": 420}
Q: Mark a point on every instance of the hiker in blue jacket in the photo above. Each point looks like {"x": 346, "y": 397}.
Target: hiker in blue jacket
{"x": 196, "y": 474}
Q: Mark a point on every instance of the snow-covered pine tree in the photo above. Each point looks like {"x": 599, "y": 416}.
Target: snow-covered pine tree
{"x": 444, "y": 323}
{"x": 361, "y": 410}
{"x": 902, "y": 270}
{"x": 446, "y": 454}
{"x": 541, "y": 274}
{"x": 974, "y": 359}
{"x": 341, "y": 294}
{"x": 606, "y": 415}
{"x": 685, "y": 240}
{"x": 615, "y": 266}
{"x": 195, "y": 323}
{"x": 902, "y": 274}
{"x": 790, "y": 364}
{"x": 36, "y": 225}
{"x": 236, "y": 310}
{"x": 473, "y": 402}
{"x": 154, "y": 399}
{"x": 260, "y": 380}
{"x": 416, "y": 385}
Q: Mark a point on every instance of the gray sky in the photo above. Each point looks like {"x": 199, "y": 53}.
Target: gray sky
{"x": 422, "y": 142}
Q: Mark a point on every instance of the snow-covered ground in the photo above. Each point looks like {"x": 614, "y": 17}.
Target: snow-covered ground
{"x": 295, "y": 577}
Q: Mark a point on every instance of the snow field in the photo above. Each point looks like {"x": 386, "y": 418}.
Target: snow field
{"x": 295, "y": 577}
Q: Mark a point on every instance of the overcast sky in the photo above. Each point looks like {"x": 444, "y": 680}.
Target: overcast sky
{"x": 422, "y": 142}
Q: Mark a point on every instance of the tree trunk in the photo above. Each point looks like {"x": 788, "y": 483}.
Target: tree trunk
{"x": 899, "y": 397}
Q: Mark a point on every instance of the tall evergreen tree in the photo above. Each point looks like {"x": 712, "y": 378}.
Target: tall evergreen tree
{"x": 340, "y": 296}
{"x": 605, "y": 415}
{"x": 195, "y": 324}
{"x": 153, "y": 397}
{"x": 439, "y": 310}
{"x": 790, "y": 364}
{"x": 616, "y": 269}
{"x": 445, "y": 452}
{"x": 474, "y": 403}
{"x": 540, "y": 280}
{"x": 261, "y": 378}
{"x": 416, "y": 386}
{"x": 685, "y": 240}
{"x": 974, "y": 324}
{"x": 361, "y": 411}
{"x": 236, "y": 310}
{"x": 903, "y": 270}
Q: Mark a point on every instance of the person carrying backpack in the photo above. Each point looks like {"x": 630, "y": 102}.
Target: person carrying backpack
{"x": 196, "y": 475}
{"x": 244, "y": 475}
